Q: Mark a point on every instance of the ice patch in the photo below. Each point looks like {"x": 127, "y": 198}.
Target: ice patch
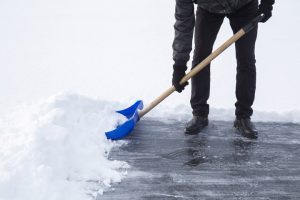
{"x": 57, "y": 150}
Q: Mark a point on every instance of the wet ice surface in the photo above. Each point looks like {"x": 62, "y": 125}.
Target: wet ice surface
{"x": 216, "y": 164}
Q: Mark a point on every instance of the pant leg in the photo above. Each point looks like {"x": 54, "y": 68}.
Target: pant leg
{"x": 207, "y": 27}
{"x": 245, "y": 55}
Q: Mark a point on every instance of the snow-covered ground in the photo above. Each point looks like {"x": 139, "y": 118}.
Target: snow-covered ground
{"x": 183, "y": 113}
{"x": 91, "y": 47}
{"x": 57, "y": 150}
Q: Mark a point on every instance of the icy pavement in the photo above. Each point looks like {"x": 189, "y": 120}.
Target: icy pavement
{"x": 217, "y": 164}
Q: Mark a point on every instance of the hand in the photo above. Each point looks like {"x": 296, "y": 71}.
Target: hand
{"x": 265, "y": 8}
{"x": 178, "y": 74}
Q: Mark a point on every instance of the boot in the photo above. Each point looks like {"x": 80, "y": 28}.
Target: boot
{"x": 195, "y": 125}
{"x": 246, "y": 128}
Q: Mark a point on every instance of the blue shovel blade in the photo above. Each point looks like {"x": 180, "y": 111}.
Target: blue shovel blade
{"x": 131, "y": 113}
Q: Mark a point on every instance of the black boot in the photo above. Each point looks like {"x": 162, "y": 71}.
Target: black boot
{"x": 246, "y": 128}
{"x": 196, "y": 125}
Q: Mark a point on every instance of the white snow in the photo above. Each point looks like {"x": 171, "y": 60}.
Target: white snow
{"x": 51, "y": 46}
{"x": 57, "y": 150}
{"x": 183, "y": 112}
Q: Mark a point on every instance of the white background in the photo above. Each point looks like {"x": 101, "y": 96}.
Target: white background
{"x": 121, "y": 51}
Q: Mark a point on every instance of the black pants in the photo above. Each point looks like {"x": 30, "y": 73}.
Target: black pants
{"x": 206, "y": 30}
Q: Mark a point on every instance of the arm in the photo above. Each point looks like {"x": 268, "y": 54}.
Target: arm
{"x": 184, "y": 28}
{"x": 182, "y": 45}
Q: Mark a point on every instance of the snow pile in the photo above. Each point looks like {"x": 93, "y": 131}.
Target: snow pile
{"x": 57, "y": 150}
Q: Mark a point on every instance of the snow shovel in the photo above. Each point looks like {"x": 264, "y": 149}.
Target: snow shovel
{"x": 135, "y": 112}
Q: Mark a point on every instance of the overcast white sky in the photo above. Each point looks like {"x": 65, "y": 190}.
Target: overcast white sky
{"x": 121, "y": 50}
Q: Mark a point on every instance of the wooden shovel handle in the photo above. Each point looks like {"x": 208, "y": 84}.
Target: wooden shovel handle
{"x": 203, "y": 64}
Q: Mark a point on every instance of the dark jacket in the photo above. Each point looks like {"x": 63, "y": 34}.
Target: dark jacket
{"x": 185, "y": 22}
{"x": 222, "y": 6}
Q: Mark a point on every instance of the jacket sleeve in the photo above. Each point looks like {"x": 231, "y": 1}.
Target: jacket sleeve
{"x": 269, "y": 2}
{"x": 184, "y": 28}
